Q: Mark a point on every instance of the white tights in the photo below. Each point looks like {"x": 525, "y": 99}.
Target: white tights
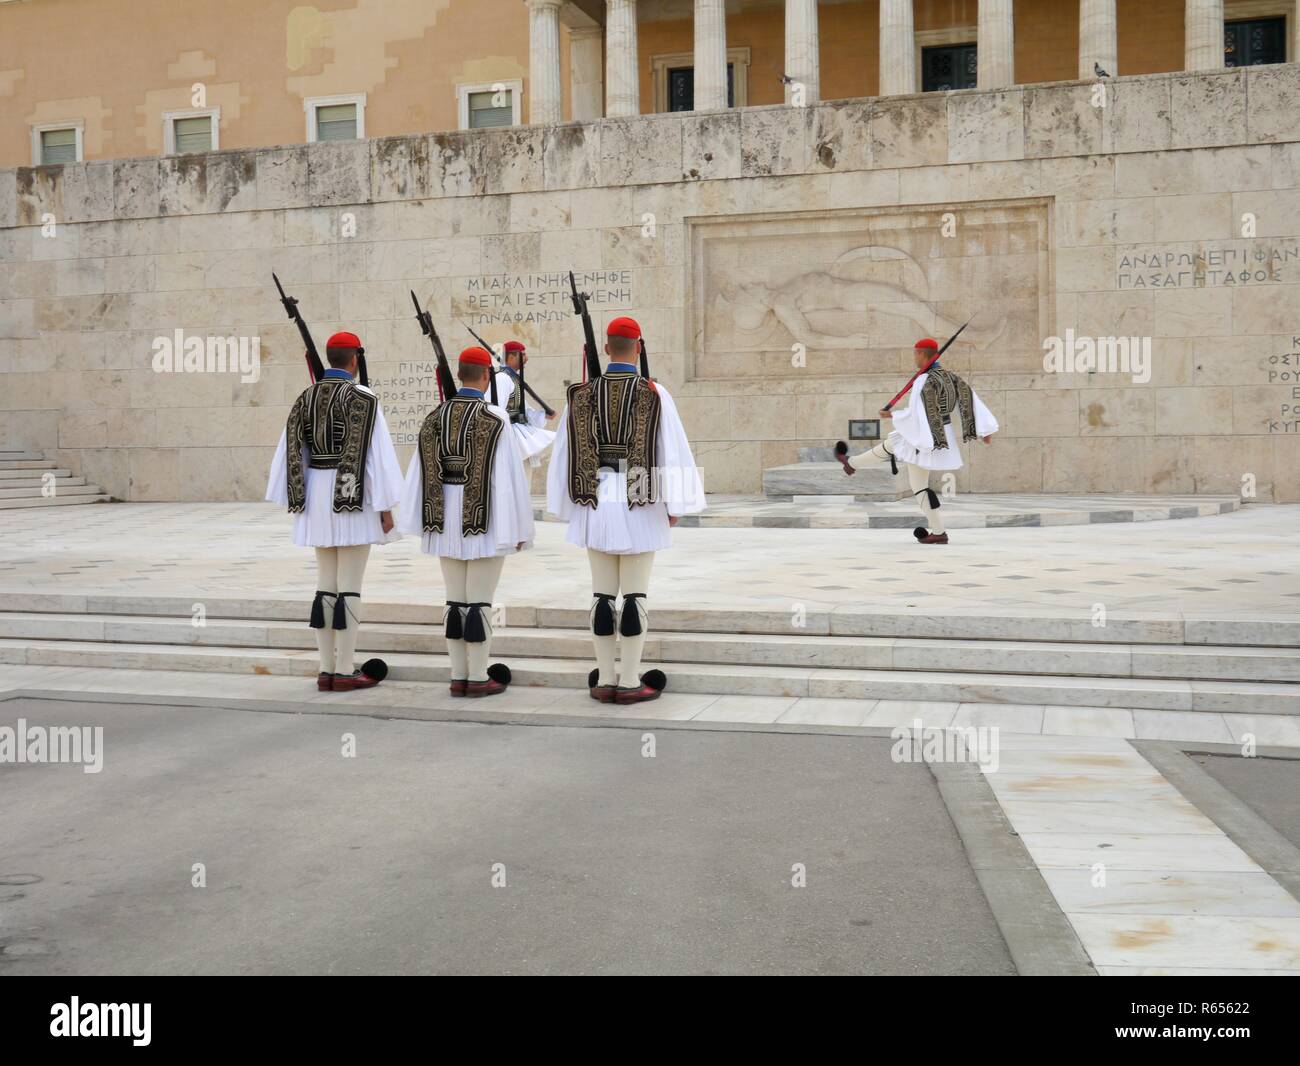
{"x": 471, "y": 582}
{"x": 629, "y": 574}
{"x": 340, "y": 570}
{"x": 918, "y": 478}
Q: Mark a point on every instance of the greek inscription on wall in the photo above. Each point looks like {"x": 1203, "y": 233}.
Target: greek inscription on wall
{"x": 511, "y": 299}
{"x": 1208, "y": 265}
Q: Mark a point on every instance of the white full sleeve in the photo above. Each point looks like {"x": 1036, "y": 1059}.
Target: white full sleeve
{"x": 557, "y": 473}
{"x": 384, "y": 480}
{"x": 680, "y": 485}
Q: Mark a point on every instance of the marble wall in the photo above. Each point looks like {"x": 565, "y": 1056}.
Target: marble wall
{"x": 780, "y": 259}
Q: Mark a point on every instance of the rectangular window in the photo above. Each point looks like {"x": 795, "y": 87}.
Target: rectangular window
{"x": 58, "y": 146}
{"x": 1252, "y": 42}
{"x": 949, "y": 66}
{"x": 488, "y": 109}
{"x": 681, "y": 88}
{"x": 193, "y": 134}
{"x": 336, "y": 122}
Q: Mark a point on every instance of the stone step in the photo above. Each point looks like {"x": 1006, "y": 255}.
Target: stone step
{"x": 61, "y": 478}
{"x": 18, "y": 454}
{"x": 54, "y": 501}
{"x": 1026, "y": 625}
{"x": 28, "y": 464}
{"x": 1175, "y": 695}
{"x": 37, "y": 475}
{"x": 61, "y": 488}
{"x": 874, "y": 482}
{"x": 796, "y": 651}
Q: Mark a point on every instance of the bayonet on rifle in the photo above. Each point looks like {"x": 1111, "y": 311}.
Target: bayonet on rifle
{"x": 442, "y": 373}
{"x": 590, "y": 353}
{"x": 315, "y": 368}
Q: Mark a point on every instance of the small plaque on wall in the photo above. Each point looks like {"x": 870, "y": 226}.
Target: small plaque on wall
{"x": 864, "y": 429}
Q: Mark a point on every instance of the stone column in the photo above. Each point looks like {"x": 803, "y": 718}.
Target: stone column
{"x": 544, "y": 60}
{"x": 1203, "y": 35}
{"x": 586, "y": 73}
{"x": 710, "y": 55}
{"x": 802, "y": 52}
{"x": 997, "y": 67}
{"x": 1098, "y": 37}
{"x": 897, "y": 48}
{"x": 622, "y": 72}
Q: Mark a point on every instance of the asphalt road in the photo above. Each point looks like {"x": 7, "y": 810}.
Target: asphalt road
{"x": 384, "y": 862}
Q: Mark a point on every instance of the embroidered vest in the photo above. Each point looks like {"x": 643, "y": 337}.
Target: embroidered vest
{"x": 515, "y": 405}
{"x": 458, "y": 446}
{"x": 944, "y": 395}
{"x": 614, "y": 424}
{"x": 333, "y": 421}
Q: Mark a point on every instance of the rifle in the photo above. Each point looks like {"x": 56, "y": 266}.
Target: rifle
{"x": 591, "y": 356}
{"x": 315, "y": 368}
{"x": 443, "y": 375}
{"x": 550, "y": 411}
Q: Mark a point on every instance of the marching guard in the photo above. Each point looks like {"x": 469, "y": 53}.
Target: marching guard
{"x": 465, "y": 496}
{"x": 337, "y": 472}
{"x": 925, "y": 434}
{"x": 527, "y": 423}
{"x": 621, "y": 474}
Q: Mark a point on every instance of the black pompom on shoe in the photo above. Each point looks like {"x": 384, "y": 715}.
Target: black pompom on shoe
{"x": 920, "y": 532}
{"x": 656, "y": 679}
{"x": 500, "y": 673}
{"x": 375, "y": 669}
{"x": 841, "y": 448}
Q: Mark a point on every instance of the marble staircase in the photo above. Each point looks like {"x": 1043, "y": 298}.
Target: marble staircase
{"x": 1152, "y": 662}
{"x": 28, "y": 479}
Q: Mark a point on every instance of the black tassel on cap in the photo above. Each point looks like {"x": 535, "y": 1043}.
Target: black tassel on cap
{"x": 630, "y": 622}
{"x": 602, "y": 618}
{"x": 452, "y": 618}
{"x": 475, "y": 627}
{"x": 318, "y": 610}
{"x": 645, "y": 362}
{"x": 341, "y": 609}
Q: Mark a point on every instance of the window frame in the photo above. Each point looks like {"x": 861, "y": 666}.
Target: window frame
{"x": 78, "y": 125}
{"x": 169, "y": 127}
{"x": 311, "y": 103}
{"x": 738, "y": 58}
{"x": 947, "y": 37}
{"x": 464, "y": 90}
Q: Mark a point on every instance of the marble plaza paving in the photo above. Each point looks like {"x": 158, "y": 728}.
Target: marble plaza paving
{"x": 1182, "y": 892}
{"x": 1241, "y": 563}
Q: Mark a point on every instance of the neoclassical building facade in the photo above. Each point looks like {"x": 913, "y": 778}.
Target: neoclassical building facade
{"x": 254, "y": 73}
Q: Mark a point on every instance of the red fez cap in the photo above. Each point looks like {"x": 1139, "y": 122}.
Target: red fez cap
{"x": 476, "y": 357}
{"x": 928, "y": 342}
{"x": 514, "y": 346}
{"x": 344, "y": 340}
{"x": 624, "y": 327}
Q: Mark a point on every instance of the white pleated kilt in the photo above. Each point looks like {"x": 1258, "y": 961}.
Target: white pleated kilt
{"x": 948, "y": 458}
{"x": 615, "y": 528}
{"x": 500, "y": 538}
{"x": 532, "y": 440}
{"x": 318, "y": 526}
